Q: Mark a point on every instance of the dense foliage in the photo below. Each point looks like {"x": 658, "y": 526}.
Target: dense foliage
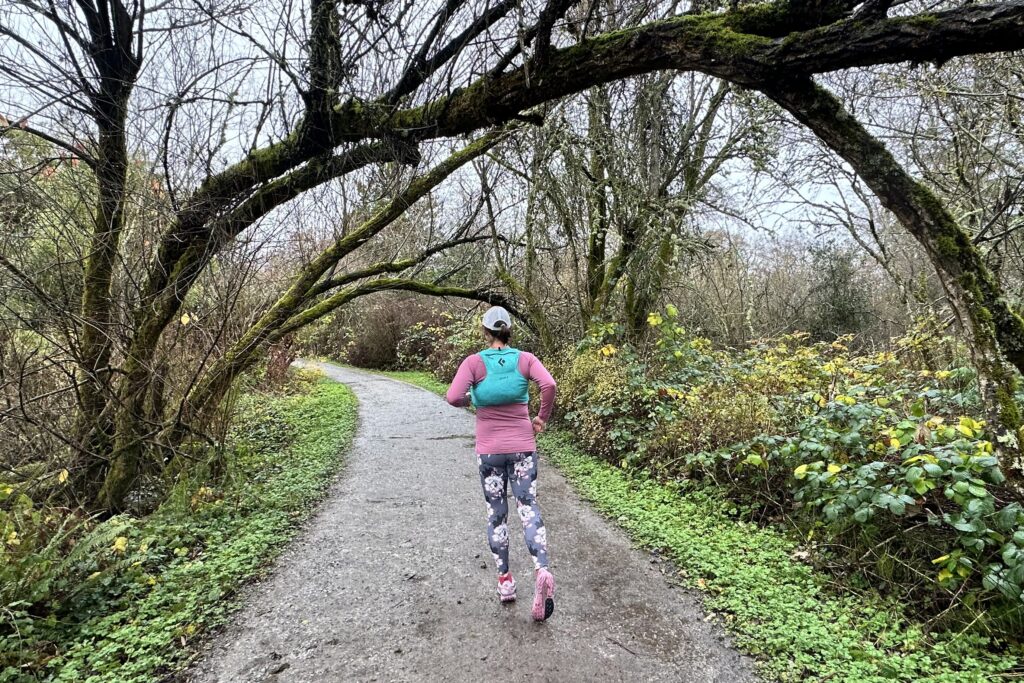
{"x": 880, "y": 463}
{"x": 83, "y": 599}
{"x": 779, "y": 608}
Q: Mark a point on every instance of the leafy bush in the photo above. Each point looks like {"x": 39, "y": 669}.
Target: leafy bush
{"x": 367, "y": 332}
{"x": 778, "y": 608}
{"x": 440, "y": 345}
{"x": 875, "y": 460}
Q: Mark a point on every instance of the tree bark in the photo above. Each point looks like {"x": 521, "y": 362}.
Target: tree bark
{"x": 117, "y": 60}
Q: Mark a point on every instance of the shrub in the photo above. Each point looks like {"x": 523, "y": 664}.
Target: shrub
{"x": 439, "y": 345}
{"x": 368, "y": 332}
{"x": 878, "y": 463}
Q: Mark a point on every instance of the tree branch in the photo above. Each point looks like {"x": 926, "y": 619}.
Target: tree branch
{"x": 387, "y": 284}
{"x": 714, "y": 44}
{"x": 422, "y": 67}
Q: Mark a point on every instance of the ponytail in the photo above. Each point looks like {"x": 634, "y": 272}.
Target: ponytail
{"x": 501, "y": 332}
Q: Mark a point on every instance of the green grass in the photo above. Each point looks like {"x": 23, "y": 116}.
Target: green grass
{"x": 424, "y": 380}
{"x": 778, "y": 609}
{"x": 138, "y": 617}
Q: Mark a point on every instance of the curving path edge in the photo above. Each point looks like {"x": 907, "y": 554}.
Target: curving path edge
{"x": 391, "y": 578}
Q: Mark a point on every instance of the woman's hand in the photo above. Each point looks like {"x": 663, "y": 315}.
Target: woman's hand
{"x": 538, "y": 425}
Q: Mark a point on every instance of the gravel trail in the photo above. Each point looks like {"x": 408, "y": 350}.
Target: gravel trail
{"x": 391, "y": 580}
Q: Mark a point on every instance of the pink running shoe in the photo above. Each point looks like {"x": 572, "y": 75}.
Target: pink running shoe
{"x": 506, "y": 587}
{"x": 543, "y": 595}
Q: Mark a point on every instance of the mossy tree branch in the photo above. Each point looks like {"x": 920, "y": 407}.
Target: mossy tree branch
{"x": 346, "y": 295}
{"x": 715, "y": 44}
{"x": 215, "y": 382}
{"x": 383, "y": 267}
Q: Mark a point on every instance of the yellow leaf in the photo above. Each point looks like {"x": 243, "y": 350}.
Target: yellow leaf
{"x": 63, "y": 476}
{"x": 945, "y": 575}
{"x": 800, "y": 472}
{"x": 966, "y": 431}
{"x": 120, "y": 543}
{"x": 894, "y": 443}
{"x": 186, "y": 319}
{"x": 654, "y": 320}
{"x": 937, "y": 560}
{"x": 834, "y": 469}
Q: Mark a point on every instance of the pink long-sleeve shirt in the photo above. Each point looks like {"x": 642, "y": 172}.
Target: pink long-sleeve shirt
{"x": 507, "y": 428}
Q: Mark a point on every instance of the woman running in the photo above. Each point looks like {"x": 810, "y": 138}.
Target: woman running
{"x": 495, "y": 381}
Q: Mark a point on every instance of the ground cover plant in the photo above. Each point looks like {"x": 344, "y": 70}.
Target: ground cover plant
{"x": 127, "y": 598}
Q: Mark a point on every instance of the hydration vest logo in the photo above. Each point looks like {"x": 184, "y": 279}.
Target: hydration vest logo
{"x": 501, "y": 362}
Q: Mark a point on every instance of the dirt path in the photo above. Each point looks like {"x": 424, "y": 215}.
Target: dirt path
{"x": 391, "y": 580}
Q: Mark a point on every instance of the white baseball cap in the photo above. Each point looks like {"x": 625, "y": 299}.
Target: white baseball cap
{"x": 495, "y": 315}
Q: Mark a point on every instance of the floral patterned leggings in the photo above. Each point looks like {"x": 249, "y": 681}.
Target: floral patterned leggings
{"x": 497, "y": 470}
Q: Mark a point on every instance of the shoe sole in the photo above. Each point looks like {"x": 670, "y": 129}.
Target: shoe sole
{"x": 549, "y": 604}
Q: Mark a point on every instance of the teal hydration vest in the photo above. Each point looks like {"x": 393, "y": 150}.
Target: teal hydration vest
{"x": 504, "y": 384}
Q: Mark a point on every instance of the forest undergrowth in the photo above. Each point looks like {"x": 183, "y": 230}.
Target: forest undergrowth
{"x": 129, "y": 598}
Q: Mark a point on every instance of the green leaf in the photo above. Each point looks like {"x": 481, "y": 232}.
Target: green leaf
{"x": 977, "y": 491}
{"x": 754, "y": 459}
